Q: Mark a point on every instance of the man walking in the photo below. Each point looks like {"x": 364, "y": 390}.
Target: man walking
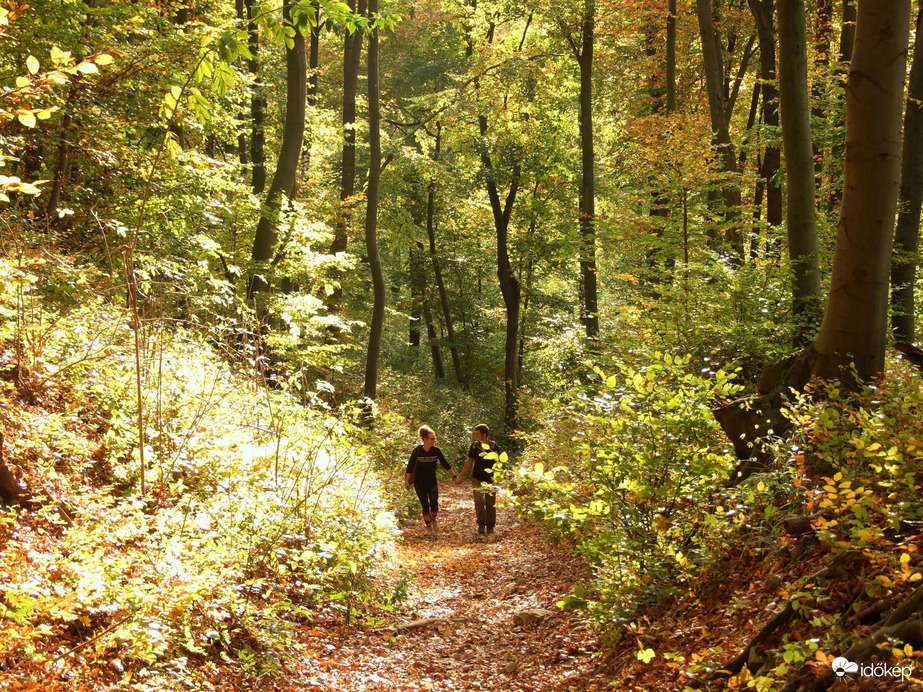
{"x": 485, "y": 499}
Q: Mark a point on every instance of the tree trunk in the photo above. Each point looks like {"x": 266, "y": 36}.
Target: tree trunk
{"x": 823, "y": 25}
{"x": 906, "y": 236}
{"x": 283, "y": 182}
{"x": 847, "y": 30}
{"x": 509, "y": 284}
{"x": 762, "y": 11}
{"x": 714, "y": 81}
{"x": 437, "y": 269}
{"x": 433, "y": 338}
{"x": 417, "y": 290}
{"x": 587, "y": 177}
{"x": 371, "y": 214}
{"x": 799, "y": 168}
{"x": 257, "y": 103}
{"x": 352, "y": 52}
{"x": 54, "y": 198}
{"x": 854, "y": 327}
{"x": 671, "y": 56}
{"x": 313, "y": 79}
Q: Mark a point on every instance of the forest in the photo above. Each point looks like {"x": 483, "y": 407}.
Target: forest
{"x": 667, "y": 251}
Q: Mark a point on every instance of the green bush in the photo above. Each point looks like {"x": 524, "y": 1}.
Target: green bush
{"x": 628, "y": 471}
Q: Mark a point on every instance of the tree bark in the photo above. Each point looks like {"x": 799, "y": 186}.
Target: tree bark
{"x": 509, "y": 284}
{"x": 762, "y": 11}
{"x": 714, "y": 82}
{"x": 588, "y": 177}
{"x": 847, "y": 30}
{"x": 671, "y": 56}
{"x": 257, "y": 103}
{"x": 417, "y": 293}
{"x": 283, "y": 182}
{"x": 823, "y": 25}
{"x": 799, "y": 168}
{"x": 437, "y": 268}
{"x": 352, "y": 54}
{"x": 907, "y": 233}
{"x": 371, "y": 214}
{"x": 854, "y": 326}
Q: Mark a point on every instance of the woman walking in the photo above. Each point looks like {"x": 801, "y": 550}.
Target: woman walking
{"x": 421, "y": 473}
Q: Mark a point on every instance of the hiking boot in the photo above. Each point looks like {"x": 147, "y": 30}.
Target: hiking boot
{"x": 490, "y": 529}
{"x": 481, "y": 529}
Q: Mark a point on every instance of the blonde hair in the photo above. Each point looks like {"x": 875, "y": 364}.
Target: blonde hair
{"x": 425, "y": 431}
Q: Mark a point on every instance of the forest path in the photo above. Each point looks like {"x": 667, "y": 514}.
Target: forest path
{"x": 479, "y": 587}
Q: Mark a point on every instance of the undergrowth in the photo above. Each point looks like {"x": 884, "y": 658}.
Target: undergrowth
{"x": 256, "y": 511}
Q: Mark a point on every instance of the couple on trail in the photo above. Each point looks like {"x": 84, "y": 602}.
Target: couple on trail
{"x": 421, "y": 473}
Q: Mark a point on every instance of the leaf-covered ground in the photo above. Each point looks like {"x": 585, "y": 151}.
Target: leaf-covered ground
{"x": 480, "y": 593}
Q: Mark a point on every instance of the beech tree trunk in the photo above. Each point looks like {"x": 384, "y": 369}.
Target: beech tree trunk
{"x": 799, "y": 168}
{"x": 417, "y": 291}
{"x": 371, "y": 214}
{"x": 850, "y": 344}
{"x": 847, "y": 30}
{"x": 671, "y": 56}
{"x": 352, "y": 53}
{"x": 714, "y": 84}
{"x": 243, "y": 153}
{"x": 762, "y": 11}
{"x": 283, "y": 182}
{"x": 907, "y": 233}
{"x": 509, "y": 284}
{"x": 437, "y": 269}
{"x": 257, "y": 103}
{"x": 590, "y": 308}
{"x": 854, "y": 327}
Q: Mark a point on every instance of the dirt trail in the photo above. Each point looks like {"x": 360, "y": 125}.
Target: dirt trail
{"x": 480, "y": 588}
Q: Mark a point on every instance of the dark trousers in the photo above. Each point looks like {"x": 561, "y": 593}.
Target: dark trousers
{"x": 429, "y": 499}
{"x": 485, "y": 505}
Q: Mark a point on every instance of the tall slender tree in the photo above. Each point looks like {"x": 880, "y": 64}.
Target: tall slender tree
{"x": 371, "y": 214}
{"x": 907, "y": 233}
{"x": 437, "y": 267}
{"x": 763, "y": 14}
{"x": 794, "y": 101}
{"x": 352, "y": 53}
{"x": 283, "y": 181}
{"x": 582, "y": 49}
{"x": 717, "y": 107}
{"x": 257, "y": 102}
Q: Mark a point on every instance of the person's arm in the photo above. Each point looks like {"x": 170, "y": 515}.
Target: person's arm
{"x": 445, "y": 464}
{"x": 410, "y": 467}
{"x": 461, "y": 476}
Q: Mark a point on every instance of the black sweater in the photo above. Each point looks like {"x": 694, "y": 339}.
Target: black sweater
{"x": 425, "y": 463}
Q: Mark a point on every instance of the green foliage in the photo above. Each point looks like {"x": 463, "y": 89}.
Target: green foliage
{"x": 256, "y": 507}
{"x": 634, "y": 465}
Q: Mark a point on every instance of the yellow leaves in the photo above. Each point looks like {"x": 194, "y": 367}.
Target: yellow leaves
{"x": 900, "y": 653}
{"x": 25, "y": 116}
{"x": 32, "y": 64}
{"x": 60, "y": 57}
{"x": 645, "y": 655}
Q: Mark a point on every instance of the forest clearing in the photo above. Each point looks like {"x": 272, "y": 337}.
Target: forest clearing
{"x": 362, "y": 345}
